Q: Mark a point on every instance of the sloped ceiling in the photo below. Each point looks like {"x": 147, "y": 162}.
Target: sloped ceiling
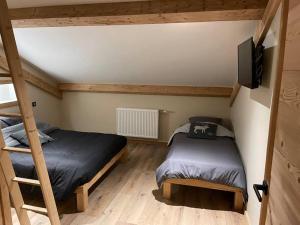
{"x": 199, "y": 54}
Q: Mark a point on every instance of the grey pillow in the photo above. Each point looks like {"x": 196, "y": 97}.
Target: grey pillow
{"x": 203, "y": 130}
{"x": 3, "y": 125}
{"x": 11, "y": 121}
{"x": 22, "y": 137}
{"x": 205, "y": 119}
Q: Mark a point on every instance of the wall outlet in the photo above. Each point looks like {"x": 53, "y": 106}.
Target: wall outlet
{"x": 33, "y": 104}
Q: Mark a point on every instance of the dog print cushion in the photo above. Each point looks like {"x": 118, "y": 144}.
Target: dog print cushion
{"x": 203, "y": 130}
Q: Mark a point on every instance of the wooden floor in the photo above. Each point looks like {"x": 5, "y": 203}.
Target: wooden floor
{"x": 128, "y": 195}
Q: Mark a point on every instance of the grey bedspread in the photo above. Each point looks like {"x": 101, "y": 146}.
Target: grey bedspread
{"x": 215, "y": 160}
{"x": 72, "y": 159}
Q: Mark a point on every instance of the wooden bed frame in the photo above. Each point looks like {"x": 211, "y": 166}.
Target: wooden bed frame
{"x": 238, "y": 194}
{"x": 82, "y": 192}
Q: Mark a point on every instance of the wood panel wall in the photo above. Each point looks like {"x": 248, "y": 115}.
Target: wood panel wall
{"x": 284, "y": 194}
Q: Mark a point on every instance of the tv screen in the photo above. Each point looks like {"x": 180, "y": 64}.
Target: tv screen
{"x": 246, "y": 69}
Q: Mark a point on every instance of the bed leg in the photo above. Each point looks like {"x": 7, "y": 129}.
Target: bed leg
{"x": 82, "y": 198}
{"x": 238, "y": 202}
{"x": 167, "y": 190}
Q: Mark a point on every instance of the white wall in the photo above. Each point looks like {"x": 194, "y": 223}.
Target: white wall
{"x": 250, "y": 116}
{"x": 97, "y": 111}
{"x": 48, "y": 107}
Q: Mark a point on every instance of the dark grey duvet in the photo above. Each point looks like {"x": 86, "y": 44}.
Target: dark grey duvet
{"x": 72, "y": 159}
{"x": 216, "y": 160}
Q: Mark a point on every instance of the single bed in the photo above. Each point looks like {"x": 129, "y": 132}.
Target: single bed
{"x": 207, "y": 163}
{"x": 75, "y": 160}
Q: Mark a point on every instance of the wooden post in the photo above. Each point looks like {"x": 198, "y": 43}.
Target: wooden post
{"x": 4, "y": 201}
{"x": 16, "y": 72}
{"x": 167, "y": 190}
{"x": 238, "y": 202}
{"x": 82, "y": 198}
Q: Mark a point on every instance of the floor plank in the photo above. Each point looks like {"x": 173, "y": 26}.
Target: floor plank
{"x": 128, "y": 195}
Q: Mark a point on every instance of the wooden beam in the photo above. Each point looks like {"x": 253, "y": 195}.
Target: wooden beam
{"x": 34, "y": 80}
{"x": 5, "y": 114}
{"x": 8, "y": 104}
{"x": 138, "y": 12}
{"x": 260, "y": 35}
{"x": 265, "y": 23}
{"x": 235, "y": 91}
{"x": 4, "y": 75}
{"x": 149, "y": 89}
{"x": 5, "y": 81}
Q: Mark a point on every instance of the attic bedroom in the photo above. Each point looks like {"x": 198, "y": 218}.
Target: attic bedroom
{"x": 162, "y": 112}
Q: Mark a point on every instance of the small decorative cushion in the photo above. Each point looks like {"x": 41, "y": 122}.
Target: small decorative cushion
{"x": 3, "y": 125}
{"x": 203, "y": 130}
{"x": 22, "y": 137}
{"x": 10, "y": 121}
{"x": 205, "y": 119}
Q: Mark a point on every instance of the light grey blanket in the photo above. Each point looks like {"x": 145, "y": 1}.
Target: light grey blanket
{"x": 215, "y": 161}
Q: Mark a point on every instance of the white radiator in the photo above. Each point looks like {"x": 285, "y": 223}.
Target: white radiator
{"x": 142, "y": 123}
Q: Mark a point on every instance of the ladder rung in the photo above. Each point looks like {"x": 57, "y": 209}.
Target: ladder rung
{"x": 20, "y": 150}
{"x": 10, "y": 114}
{"x": 27, "y": 181}
{"x": 7, "y": 75}
{"x": 6, "y": 81}
{"x": 35, "y": 209}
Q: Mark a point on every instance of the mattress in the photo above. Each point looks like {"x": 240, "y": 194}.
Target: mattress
{"x": 72, "y": 159}
{"x": 216, "y": 161}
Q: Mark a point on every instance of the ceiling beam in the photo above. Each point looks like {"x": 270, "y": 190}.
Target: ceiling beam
{"x": 149, "y": 89}
{"x": 139, "y": 12}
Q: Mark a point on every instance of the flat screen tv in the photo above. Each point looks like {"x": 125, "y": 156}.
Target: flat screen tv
{"x": 250, "y": 64}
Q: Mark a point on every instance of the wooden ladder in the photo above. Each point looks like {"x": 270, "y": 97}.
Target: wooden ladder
{"x": 8, "y": 180}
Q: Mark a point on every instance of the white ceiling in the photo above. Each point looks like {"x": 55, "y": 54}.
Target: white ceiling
{"x": 200, "y": 54}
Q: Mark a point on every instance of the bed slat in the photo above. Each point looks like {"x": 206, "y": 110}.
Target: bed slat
{"x": 35, "y": 209}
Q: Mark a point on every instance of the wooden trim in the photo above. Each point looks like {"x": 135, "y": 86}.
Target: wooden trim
{"x": 6, "y": 75}
{"x": 149, "y": 89}
{"x": 41, "y": 84}
{"x": 265, "y": 23}
{"x": 5, "y": 81}
{"x": 234, "y": 94}
{"x": 238, "y": 194}
{"x": 260, "y": 35}
{"x": 8, "y": 104}
{"x": 34, "y": 80}
{"x": 5, "y": 114}
{"x": 82, "y": 191}
{"x": 5, "y": 207}
{"x": 139, "y": 12}
{"x": 274, "y": 107}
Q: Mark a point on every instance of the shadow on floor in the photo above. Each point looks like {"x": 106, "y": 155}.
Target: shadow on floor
{"x": 196, "y": 197}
